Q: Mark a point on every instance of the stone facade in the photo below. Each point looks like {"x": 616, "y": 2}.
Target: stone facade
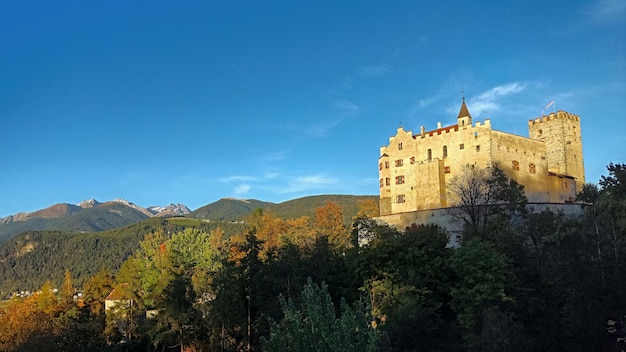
{"x": 415, "y": 169}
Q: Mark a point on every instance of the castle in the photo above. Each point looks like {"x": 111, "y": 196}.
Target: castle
{"x": 415, "y": 169}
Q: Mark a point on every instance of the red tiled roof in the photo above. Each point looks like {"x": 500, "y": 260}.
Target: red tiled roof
{"x": 439, "y": 131}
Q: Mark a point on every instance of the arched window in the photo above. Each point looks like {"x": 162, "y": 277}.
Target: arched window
{"x": 445, "y": 151}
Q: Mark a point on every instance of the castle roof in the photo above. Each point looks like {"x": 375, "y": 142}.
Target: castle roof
{"x": 463, "y": 112}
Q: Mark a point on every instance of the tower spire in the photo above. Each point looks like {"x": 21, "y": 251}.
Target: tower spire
{"x": 464, "y": 111}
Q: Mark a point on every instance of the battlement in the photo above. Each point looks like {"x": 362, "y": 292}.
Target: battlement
{"x": 449, "y": 129}
{"x": 553, "y": 116}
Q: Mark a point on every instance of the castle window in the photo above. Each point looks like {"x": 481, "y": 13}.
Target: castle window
{"x": 477, "y": 148}
{"x": 399, "y": 180}
{"x": 532, "y": 169}
{"x": 565, "y": 184}
{"x": 399, "y": 162}
{"x": 400, "y": 198}
{"x": 399, "y": 146}
{"x": 387, "y": 182}
{"x": 446, "y": 169}
{"x": 412, "y": 160}
{"x": 380, "y": 166}
{"x": 515, "y": 165}
{"x": 381, "y": 183}
{"x": 462, "y": 146}
{"x": 430, "y": 154}
{"x": 386, "y": 164}
{"x": 540, "y": 131}
{"x": 445, "y": 151}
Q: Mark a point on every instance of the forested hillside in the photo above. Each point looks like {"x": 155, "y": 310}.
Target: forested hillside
{"x": 30, "y": 259}
{"x": 230, "y": 209}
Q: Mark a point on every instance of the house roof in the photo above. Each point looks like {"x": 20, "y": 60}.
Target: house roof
{"x": 118, "y": 293}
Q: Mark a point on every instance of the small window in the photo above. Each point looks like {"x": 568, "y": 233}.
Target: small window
{"x": 412, "y": 160}
{"x": 477, "y": 148}
{"x": 446, "y": 169}
{"x": 532, "y": 169}
{"x": 445, "y": 151}
{"x": 399, "y": 162}
{"x": 399, "y": 146}
{"x": 381, "y": 183}
{"x": 386, "y": 164}
{"x": 399, "y": 180}
{"x": 515, "y": 165}
{"x": 380, "y": 166}
{"x": 430, "y": 154}
{"x": 400, "y": 198}
{"x": 462, "y": 146}
{"x": 387, "y": 182}
{"x": 565, "y": 184}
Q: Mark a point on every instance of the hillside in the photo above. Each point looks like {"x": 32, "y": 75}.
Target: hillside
{"x": 230, "y": 209}
{"x": 28, "y": 260}
{"x": 306, "y": 206}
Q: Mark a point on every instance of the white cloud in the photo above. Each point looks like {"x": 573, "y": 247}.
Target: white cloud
{"x": 422, "y": 41}
{"x": 320, "y": 129}
{"x": 238, "y": 178}
{"x": 423, "y": 103}
{"x": 491, "y": 100}
{"x": 270, "y": 175}
{"x": 306, "y": 183}
{"x": 242, "y": 189}
{"x": 273, "y": 156}
{"x": 604, "y": 11}
{"x": 346, "y": 105}
{"x": 374, "y": 70}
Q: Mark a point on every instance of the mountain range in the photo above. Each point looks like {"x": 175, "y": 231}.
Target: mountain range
{"x": 93, "y": 216}
{"x": 87, "y": 216}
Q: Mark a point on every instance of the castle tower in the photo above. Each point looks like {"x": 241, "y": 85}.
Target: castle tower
{"x": 561, "y": 133}
{"x": 464, "y": 118}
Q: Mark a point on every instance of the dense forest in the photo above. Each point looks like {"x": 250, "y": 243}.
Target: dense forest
{"x": 33, "y": 257}
{"x": 520, "y": 281}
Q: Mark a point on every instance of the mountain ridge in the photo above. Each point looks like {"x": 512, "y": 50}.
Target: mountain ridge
{"x": 91, "y": 215}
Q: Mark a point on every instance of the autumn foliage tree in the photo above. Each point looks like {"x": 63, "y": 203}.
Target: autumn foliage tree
{"x": 329, "y": 222}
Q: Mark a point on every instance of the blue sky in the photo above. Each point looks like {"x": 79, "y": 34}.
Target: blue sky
{"x": 189, "y": 102}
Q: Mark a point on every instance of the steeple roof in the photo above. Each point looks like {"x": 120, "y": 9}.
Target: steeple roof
{"x": 463, "y": 112}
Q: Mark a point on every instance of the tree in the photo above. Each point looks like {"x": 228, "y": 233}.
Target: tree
{"x": 479, "y": 195}
{"x": 482, "y": 279}
{"x": 313, "y": 325}
{"x": 406, "y": 277}
{"x": 67, "y": 292}
{"x": 329, "y": 222}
